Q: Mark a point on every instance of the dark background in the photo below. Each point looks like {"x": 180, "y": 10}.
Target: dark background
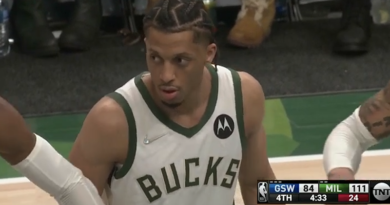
{"x": 295, "y": 60}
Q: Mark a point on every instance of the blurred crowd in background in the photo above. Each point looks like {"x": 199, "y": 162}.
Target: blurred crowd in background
{"x": 30, "y": 23}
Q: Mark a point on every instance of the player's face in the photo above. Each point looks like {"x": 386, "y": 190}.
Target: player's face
{"x": 176, "y": 63}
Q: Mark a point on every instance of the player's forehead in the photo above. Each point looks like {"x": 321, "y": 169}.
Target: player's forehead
{"x": 171, "y": 43}
{"x": 157, "y": 36}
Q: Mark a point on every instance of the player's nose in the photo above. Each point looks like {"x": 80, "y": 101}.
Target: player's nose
{"x": 167, "y": 73}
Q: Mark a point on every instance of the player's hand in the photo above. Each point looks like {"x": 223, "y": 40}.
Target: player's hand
{"x": 341, "y": 174}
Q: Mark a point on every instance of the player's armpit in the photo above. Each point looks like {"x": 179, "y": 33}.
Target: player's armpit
{"x": 375, "y": 113}
{"x": 254, "y": 165}
{"x": 101, "y": 143}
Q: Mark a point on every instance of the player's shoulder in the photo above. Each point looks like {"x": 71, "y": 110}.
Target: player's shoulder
{"x": 106, "y": 106}
{"x": 252, "y": 91}
{"x": 250, "y": 87}
{"x": 107, "y": 113}
{"x": 103, "y": 134}
{"x": 252, "y": 101}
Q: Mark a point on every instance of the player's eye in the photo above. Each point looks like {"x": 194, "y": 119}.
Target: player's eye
{"x": 155, "y": 58}
{"x": 181, "y": 61}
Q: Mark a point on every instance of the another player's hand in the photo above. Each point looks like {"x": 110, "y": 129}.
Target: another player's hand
{"x": 341, "y": 174}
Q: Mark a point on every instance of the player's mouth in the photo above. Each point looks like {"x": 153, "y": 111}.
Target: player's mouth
{"x": 169, "y": 93}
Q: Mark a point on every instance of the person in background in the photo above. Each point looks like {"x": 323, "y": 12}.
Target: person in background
{"x": 255, "y": 19}
{"x": 28, "y": 17}
{"x": 355, "y": 30}
{"x": 253, "y": 23}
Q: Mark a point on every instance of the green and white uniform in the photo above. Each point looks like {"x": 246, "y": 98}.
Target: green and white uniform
{"x": 168, "y": 164}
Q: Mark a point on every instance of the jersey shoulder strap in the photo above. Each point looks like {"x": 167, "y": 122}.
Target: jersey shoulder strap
{"x": 239, "y": 105}
{"x": 132, "y": 143}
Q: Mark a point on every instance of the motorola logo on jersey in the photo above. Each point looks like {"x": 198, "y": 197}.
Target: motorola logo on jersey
{"x": 381, "y": 191}
{"x": 223, "y": 126}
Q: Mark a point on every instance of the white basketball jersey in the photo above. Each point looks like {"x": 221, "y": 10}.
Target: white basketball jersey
{"x": 169, "y": 164}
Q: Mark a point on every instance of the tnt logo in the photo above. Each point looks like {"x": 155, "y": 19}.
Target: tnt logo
{"x": 262, "y": 192}
{"x": 381, "y": 191}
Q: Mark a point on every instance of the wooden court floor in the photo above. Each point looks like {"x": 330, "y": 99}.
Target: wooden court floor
{"x": 374, "y": 166}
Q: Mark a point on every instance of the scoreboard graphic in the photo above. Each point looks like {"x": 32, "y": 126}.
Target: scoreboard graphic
{"x": 323, "y": 192}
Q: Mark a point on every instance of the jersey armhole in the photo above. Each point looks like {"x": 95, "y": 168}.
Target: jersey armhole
{"x": 239, "y": 106}
{"x": 132, "y": 144}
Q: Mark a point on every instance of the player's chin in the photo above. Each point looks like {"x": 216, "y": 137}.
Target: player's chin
{"x": 169, "y": 100}
{"x": 172, "y": 103}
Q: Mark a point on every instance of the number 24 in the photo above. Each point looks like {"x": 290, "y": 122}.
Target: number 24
{"x": 353, "y": 197}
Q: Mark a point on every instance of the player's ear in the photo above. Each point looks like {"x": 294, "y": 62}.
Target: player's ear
{"x": 146, "y": 42}
{"x": 211, "y": 52}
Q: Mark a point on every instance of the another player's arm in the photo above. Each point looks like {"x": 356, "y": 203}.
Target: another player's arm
{"x": 101, "y": 143}
{"x": 255, "y": 165}
{"x": 36, "y": 159}
{"x": 16, "y": 140}
{"x": 349, "y": 139}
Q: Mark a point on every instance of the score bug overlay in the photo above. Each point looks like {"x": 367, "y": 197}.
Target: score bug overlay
{"x": 324, "y": 192}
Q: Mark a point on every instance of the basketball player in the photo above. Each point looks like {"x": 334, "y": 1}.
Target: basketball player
{"x": 368, "y": 124}
{"x": 185, "y": 131}
{"x": 35, "y": 158}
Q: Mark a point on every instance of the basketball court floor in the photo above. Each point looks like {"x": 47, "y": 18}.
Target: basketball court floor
{"x": 18, "y": 191}
{"x": 294, "y": 140}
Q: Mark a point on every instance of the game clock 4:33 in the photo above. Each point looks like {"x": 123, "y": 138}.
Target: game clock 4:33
{"x": 323, "y": 198}
{"x": 316, "y": 197}
{"x": 300, "y": 198}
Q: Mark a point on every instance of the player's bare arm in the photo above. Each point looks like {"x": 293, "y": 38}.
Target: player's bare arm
{"x": 36, "y": 159}
{"x": 101, "y": 143}
{"x": 364, "y": 128}
{"x": 255, "y": 165}
{"x": 16, "y": 140}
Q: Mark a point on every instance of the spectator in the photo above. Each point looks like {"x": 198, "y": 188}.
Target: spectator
{"x": 355, "y": 31}
{"x": 256, "y": 16}
{"x": 34, "y": 36}
{"x": 253, "y": 23}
